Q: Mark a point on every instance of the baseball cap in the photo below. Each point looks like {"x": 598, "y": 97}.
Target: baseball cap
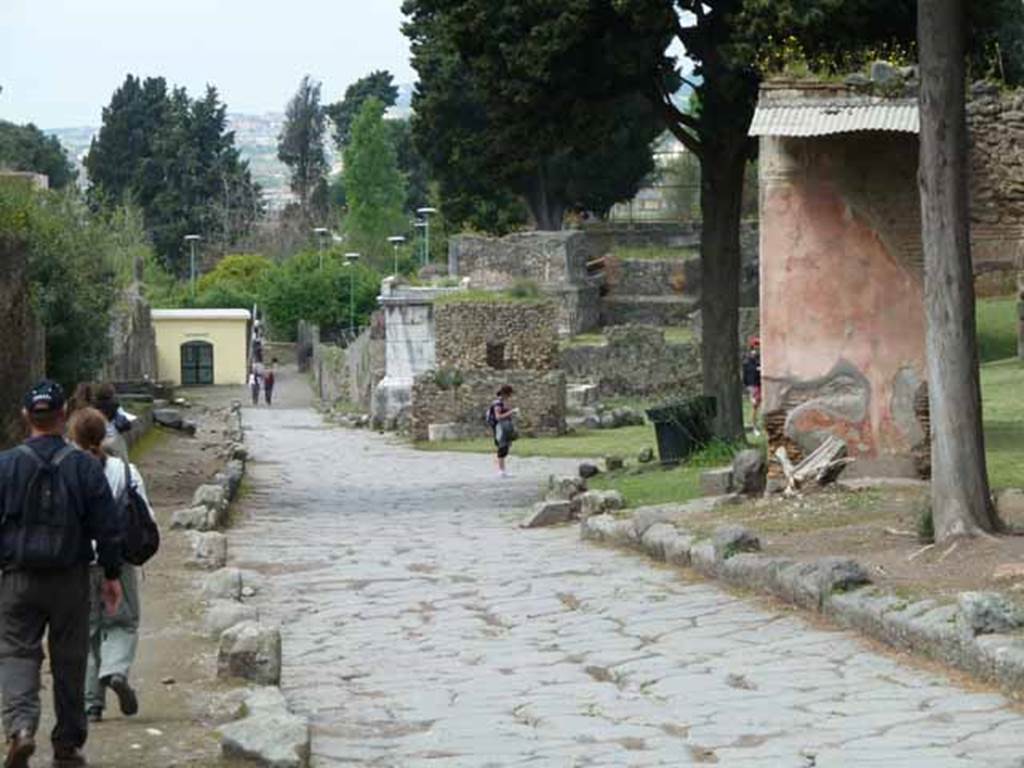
{"x": 45, "y": 396}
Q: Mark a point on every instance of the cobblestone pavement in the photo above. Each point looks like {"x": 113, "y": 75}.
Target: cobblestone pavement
{"x": 422, "y": 628}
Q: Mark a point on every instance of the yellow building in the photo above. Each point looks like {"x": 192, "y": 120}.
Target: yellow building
{"x": 201, "y": 346}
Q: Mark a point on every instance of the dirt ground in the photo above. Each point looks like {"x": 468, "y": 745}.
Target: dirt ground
{"x": 175, "y": 673}
{"x": 877, "y": 527}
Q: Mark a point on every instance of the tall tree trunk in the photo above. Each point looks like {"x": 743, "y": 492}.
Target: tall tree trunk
{"x": 722, "y": 169}
{"x": 547, "y": 210}
{"x": 961, "y": 504}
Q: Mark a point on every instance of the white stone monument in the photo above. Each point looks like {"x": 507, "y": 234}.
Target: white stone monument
{"x": 409, "y": 344}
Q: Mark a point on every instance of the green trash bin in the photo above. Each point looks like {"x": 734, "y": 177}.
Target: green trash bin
{"x": 683, "y": 428}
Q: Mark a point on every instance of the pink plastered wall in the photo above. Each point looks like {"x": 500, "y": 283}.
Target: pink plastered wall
{"x": 842, "y": 319}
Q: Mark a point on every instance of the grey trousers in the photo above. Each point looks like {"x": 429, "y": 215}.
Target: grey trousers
{"x": 55, "y": 602}
{"x": 113, "y": 640}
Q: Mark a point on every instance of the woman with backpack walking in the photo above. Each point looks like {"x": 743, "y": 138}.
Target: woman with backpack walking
{"x": 499, "y": 418}
{"x": 113, "y": 639}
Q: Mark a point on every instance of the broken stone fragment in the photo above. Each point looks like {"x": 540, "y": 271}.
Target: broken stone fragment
{"x": 588, "y": 470}
{"x": 749, "y": 472}
{"x": 565, "y": 488}
{"x": 716, "y": 482}
{"x": 614, "y": 463}
{"x": 548, "y": 513}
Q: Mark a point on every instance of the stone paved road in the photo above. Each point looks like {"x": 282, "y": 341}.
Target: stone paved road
{"x": 421, "y": 628}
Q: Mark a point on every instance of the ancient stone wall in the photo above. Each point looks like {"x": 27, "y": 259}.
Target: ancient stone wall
{"x": 22, "y": 343}
{"x": 133, "y": 340}
{"x": 996, "y": 128}
{"x": 462, "y": 397}
{"x": 555, "y": 261}
{"x": 635, "y": 360}
{"x": 349, "y": 374}
{"x": 499, "y": 335}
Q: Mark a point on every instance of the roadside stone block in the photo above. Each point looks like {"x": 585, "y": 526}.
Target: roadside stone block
{"x": 588, "y": 470}
{"x": 224, "y": 614}
{"x": 193, "y": 518}
{"x": 677, "y": 550}
{"x": 614, "y": 463}
{"x": 548, "y": 513}
{"x": 209, "y": 550}
{"x": 986, "y": 613}
{"x": 250, "y": 651}
{"x": 210, "y": 496}
{"x": 224, "y": 584}
{"x": 730, "y": 540}
{"x": 716, "y": 482}
{"x": 1009, "y": 504}
{"x": 268, "y": 733}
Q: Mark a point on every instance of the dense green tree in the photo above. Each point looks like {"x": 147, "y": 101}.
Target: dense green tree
{"x": 548, "y": 101}
{"x": 235, "y": 282}
{"x": 411, "y": 164}
{"x": 77, "y": 263}
{"x": 26, "y": 148}
{"x": 301, "y": 147}
{"x": 300, "y": 289}
{"x": 174, "y": 158}
{"x": 374, "y": 187}
{"x": 378, "y": 84}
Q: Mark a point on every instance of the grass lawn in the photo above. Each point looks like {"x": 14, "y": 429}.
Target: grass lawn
{"x": 1002, "y": 390}
{"x": 997, "y": 328}
{"x": 588, "y": 444}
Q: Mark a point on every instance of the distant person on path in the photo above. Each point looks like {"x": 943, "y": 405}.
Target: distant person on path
{"x": 113, "y": 640}
{"x": 54, "y": 503}
{"x": 752, "y": 379}
{"x": 269, "y": 377}
{"x": 500, "y": 419}
{"x": 254, "y": 385}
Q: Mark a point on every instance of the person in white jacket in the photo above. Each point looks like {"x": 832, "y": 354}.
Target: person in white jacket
{"x": 113, "y": 640}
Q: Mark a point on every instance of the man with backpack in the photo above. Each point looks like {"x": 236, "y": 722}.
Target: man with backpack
{"x": 54, "y": 502}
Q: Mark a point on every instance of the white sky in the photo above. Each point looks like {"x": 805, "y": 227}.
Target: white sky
{"x": 60, "y": 60}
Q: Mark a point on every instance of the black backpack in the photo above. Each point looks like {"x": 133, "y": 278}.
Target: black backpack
{"x": 492, "y": 416}
{"x": 47, "y": 532}
{"x": 139, "y": 532}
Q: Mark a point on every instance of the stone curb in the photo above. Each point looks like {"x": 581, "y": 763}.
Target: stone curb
{"x": 265, "y": 732}
{"x": 834, "y": 587}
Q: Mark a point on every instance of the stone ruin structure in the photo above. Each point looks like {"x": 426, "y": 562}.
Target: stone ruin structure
{"x": 409, "y": 347}
{"x": 556, "y": 262}
{"x": 842, "y": 316}
{"x": 480, "y": 346}
{"x": 132, "y": 337}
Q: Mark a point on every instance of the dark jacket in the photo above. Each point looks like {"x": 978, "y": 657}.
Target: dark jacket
{"x": 752, "y": 370}
{"x": 87, "y": 489}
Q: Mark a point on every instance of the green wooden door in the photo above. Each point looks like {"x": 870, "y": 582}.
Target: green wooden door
{"x": 196, "y": 363}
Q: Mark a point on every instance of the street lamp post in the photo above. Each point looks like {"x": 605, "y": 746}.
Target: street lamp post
{"x": 192, "y": 240}
{"x": 350, "y": 260}
{"x": 396, "y": 240}
{"x": 426, "y": 213}
{"x": 321, "y": 233}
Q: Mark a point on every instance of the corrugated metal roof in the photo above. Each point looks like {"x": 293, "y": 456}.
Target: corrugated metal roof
{"x": 808, "y": 118}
